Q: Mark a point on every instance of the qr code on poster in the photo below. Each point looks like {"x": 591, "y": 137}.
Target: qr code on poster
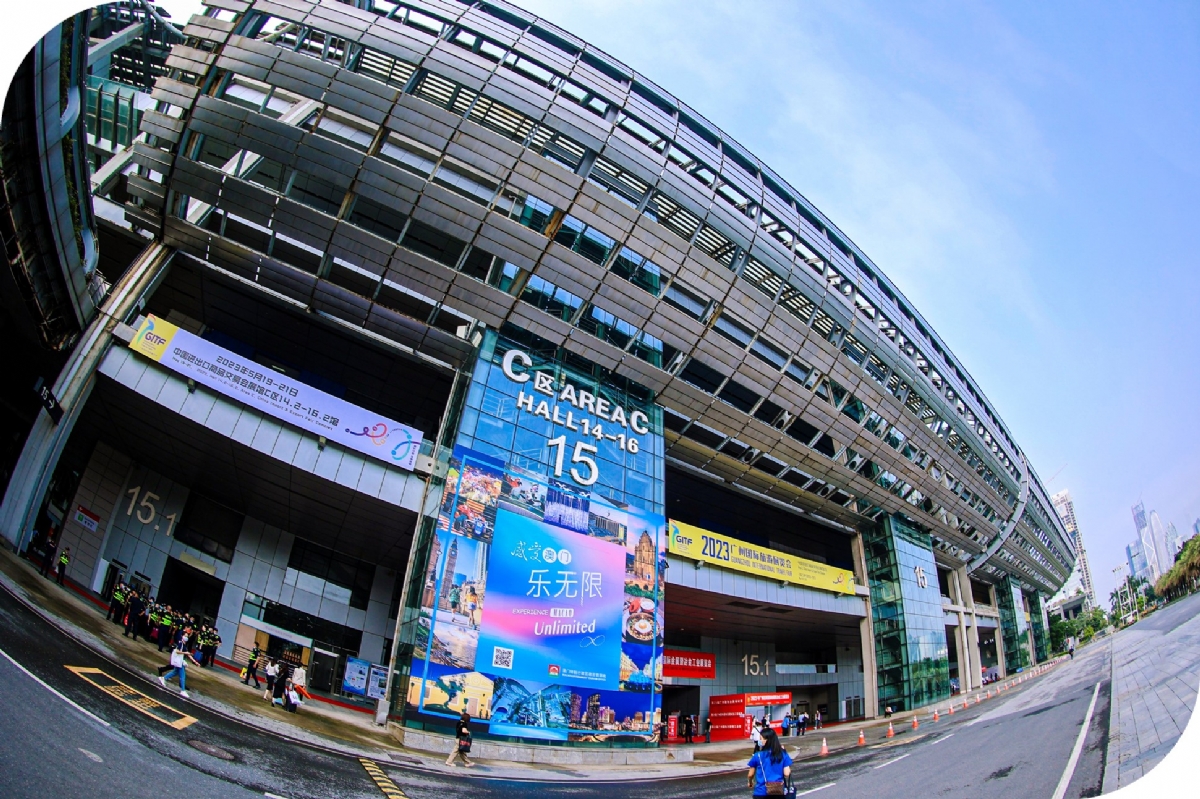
{"x": 502, "y": 658}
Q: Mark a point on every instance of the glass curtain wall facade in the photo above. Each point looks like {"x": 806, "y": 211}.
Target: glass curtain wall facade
{"x": 912, "y": 656}
{"x": 1041, "y": 627}
{"x": 1013, "y": 627}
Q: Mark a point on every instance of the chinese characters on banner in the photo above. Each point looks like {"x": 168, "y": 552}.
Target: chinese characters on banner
{"x": 683, "y": 663}
{"x": 291, "y": 401}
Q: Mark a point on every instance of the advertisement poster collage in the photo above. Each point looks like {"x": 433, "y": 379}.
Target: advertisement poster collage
{"x": 542, "y": 612}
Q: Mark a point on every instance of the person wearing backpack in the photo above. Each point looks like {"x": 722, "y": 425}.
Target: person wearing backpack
{"x": 770, "y": 768}
{"x": 462, "y": 741}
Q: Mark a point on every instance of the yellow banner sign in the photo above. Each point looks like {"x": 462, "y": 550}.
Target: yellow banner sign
{"x": 153, "y": 337}
{"x": 721, "y": 550}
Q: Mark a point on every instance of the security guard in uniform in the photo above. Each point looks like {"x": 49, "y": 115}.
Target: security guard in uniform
{"x": 63, "y": 560}
{"x": 116, "y": 602}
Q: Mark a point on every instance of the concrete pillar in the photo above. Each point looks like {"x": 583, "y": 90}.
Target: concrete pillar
{"x": 44, "y": 445}
{"x": 866, "y": 632}
{"x": 969, "y": 631}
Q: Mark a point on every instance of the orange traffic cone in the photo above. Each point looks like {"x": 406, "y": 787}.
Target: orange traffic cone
{"x": 951, "y": 708}
{"x": 965, "y": 704}
{"x": 824, "y": 748}
{"x": 935, "y": 714}
{"x": 977, "y": 699}
{"x": 890, "y": 733}
{"x": 915, "y": 725}
{"x": 862, "y": 738}
{"x": 989, "y": 694}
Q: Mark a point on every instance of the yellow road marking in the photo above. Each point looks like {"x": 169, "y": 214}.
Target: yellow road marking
{"x": 381, "y": 780}
{"x": 134, "y": 698}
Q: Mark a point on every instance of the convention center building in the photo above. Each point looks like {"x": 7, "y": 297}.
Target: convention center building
{"x": 396, "y": 337}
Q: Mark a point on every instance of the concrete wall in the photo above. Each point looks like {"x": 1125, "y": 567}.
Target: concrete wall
{"x": 99, "y": 490}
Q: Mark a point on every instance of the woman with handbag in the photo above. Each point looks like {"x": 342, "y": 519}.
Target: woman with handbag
{"x": 770, "y": 768}
{"x": 179, "y": 656}
{"x": 462, "y": 741}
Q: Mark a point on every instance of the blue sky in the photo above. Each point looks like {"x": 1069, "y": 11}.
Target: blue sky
{"x": 1025, "y": 172}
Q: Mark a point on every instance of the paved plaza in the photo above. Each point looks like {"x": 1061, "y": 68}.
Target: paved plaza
{"x": 1155, "y": 674}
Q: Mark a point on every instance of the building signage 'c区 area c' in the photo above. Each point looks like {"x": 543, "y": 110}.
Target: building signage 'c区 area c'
{"x": 703, "y": 545}
{"x": 285, "y": 399}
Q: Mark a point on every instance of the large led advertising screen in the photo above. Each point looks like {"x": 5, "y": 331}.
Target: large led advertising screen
{"x": 542, "y": 607}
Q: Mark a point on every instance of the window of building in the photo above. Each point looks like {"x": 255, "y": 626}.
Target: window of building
{"x": 432, "y": 243}
{"x": 607, "y": 327}
{"x": 585, "y": 240}
{"x": 557, "y": 302}
{"x": 686, "y": 300}
{"x": 316, "y": 193}
{"x": 733, "y": 330}
{"x": 638, "y": 270}
{"x": 329, "y": 568}
{"x": 702, "y": 376}
{"x": 382, "y": 220}
{"x": 738, "y": 396}
{"x": 209, "y": 527}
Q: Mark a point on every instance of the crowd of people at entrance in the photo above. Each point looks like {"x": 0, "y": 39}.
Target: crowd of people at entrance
{"x": 161, "y": 624}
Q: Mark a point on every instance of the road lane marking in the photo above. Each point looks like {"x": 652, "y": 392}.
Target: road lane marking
{"x": 90, "y": 755}
{"x": 818, "y": 788}
{"x": 1065, "y": 780}
{"x": 896, "y": 760}
{"x": 133, "y": 697}
{"x": 270, "y": 795}
{"x": 939, "y": 740}
{"x": 42, "y": 683}
{"x": 389, "y": 788}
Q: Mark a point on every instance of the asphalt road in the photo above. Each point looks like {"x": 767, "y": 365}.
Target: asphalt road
{"x": 1021, "y": 743}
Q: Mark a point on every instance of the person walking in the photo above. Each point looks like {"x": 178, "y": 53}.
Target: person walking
{"x": 252, "y": 666}
{"x": 787, "y": 724}
{"x": 272, "y": 672}
{"x": 179, "y": 659}
{"x": 817, "y": 719}
{"x": 756, "y": 736}
{"x": 803, "y": 722}
{"x": 462, "y": 741}
{"x": 770, "y": 768}
{"x": 708, "y": 729}
{"x": 687, "y": 729}
{"x": 63, "y": 560}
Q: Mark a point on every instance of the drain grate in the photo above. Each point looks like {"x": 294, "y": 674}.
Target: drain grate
{"x": 209, "y": 749}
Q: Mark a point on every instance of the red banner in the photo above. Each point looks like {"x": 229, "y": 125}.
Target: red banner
{"x": 759, "y": 700}
{"x": 682, "y": 663}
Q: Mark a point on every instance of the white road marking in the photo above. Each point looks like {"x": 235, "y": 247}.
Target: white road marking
{"x": 890, "y": 762}
{"x": 1065, "y": 780}
{"x": 939, "y": 740}
{"x": 273, "y": 796}
{"x": 91, "y": 755}
{"x": 54, "y": 691}
{"x": 818, "y": 788}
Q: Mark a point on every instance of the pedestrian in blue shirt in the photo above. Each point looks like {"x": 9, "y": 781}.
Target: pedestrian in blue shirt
{"x": 770, "y": 767}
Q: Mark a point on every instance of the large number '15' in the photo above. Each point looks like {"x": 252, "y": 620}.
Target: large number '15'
{"x": 559, "y": 445}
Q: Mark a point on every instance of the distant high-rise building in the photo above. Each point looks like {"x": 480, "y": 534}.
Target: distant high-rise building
{"x": 1064, "y": 506}
{"x": 1145, "y": 540}
{"x": 1162, "y": 547}
{"x": 1137, "y": 560}
{"x": 1174, "y": 541}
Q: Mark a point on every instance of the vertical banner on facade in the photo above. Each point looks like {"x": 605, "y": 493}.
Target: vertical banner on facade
{"x": 543, "y": 595}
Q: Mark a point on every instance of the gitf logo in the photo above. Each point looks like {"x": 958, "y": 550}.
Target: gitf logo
{"x": 153, "y": 337}
{"x": 554, "y": 670}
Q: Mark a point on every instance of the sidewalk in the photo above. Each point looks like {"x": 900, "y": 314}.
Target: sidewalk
{"x": 1155, "y": 675}
{"x": 354, "y": 734}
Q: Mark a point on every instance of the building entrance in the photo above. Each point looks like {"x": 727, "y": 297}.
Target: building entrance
{"x": 681, "y": 699}
{"x": 189, "y": 590}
